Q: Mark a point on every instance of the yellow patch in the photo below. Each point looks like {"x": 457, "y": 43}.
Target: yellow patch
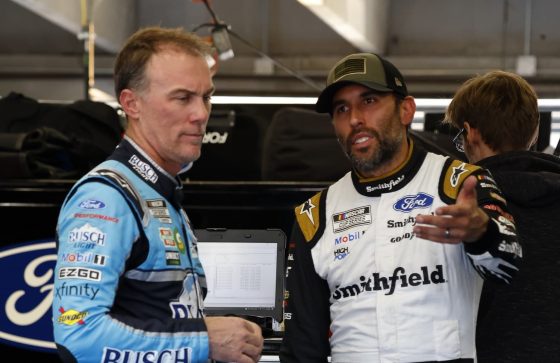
{"x": 455, "y": 175}
{"x": 72, "y": 317}
{"x": 307, "y": 216}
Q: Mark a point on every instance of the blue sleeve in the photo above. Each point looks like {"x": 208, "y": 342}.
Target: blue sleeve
{"x": 95, "y": 236}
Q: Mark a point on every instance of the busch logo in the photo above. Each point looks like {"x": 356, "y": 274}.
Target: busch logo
{"x": 411, "y": 202}
{"x": 26, "y": 295}
{"x": 87, "y": 234}
{"x": 113, "y": 355}
{"x": 399, "y": 277}
{"x": 144, "y": 169}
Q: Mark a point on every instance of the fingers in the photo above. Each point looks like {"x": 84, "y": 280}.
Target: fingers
{"x": 465, "y": 203}
{"x": 234, "y": 339}
{"x": 254, "y": 341}
{"x": 439, "y": 234}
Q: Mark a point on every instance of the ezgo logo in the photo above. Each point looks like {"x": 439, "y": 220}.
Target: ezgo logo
{"x": 26, "y": 296}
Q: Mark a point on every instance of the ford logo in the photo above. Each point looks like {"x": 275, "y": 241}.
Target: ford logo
{"x": 26, "y": 295}
{"x": 411, "y": 202}
{"x": 92, "y": 204}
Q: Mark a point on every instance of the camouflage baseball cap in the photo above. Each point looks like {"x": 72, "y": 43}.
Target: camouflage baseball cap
{"x": 367, "y": 69}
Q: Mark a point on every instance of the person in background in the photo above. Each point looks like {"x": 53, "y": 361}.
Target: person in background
{"x": 387, "y": 264}
{"x": 498, "y": 118}
{"x": 128, "y": 281}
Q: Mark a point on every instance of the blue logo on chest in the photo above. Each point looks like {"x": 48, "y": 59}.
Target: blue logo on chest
{"x": 411, "y": 202}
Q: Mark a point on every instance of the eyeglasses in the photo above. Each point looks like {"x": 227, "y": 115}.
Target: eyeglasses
{"x": 459, "y": 140}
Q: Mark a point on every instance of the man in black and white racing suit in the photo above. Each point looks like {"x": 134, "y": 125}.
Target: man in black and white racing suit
{"x": 387, "y": 264}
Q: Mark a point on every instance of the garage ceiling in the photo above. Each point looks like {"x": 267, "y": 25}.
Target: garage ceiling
{"x": 437, "y": 44}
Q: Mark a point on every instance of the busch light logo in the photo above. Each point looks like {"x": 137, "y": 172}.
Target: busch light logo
{"x": 92, "y": 204}
{"x": 26, "y": 296}
{"x": 411, "y": 202}
{"x": 87, "y": 234}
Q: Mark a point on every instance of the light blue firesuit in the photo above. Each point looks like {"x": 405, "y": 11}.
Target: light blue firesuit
{"x": 129, "y": 285}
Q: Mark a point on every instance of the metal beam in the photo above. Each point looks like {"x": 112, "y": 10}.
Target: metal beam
{"x": 114, "y": 20}
{"x": 363, "y": 23}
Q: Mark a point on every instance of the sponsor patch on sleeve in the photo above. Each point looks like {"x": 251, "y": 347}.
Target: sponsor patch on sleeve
{"x": 307, "y": 216}
{"x": 454, "y": 177}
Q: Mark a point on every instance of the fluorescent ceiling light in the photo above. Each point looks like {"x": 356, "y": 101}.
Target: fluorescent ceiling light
{"x": 545, "y": 104}
{"x": 276, "y": 100}
{"x": 263, "y": 100}
{"x": 311, "y": 2}
{"x": 549, "y": 102}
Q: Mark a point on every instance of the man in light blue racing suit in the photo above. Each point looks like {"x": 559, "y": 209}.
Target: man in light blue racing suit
{"x": 129, "y": 286}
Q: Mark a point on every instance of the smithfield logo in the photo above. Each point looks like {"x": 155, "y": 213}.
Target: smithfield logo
{"x": 92, "y": 204}
{"x": 410, "y": 202}
{"x": 399, "y": 279}
{"x": 26, "y": 296}
{"x": 385, "y": 186}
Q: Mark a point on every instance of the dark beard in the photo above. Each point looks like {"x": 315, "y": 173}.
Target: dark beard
{"x": 387, "y": 150}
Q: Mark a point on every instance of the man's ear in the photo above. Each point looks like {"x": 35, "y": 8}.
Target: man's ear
{"x": 407, "y": 110}
{"x": 129, "y": 102}
{"x": 472, "y": 134}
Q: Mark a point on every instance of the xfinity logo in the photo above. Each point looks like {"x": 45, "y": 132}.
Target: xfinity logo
{"x": 84, "y": 290}
{"x": 411, "y": 202}
{"x": 144, "y": 169}
{"x": 399, "y": 278}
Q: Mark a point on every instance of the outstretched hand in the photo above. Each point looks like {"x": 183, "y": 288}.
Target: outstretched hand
{"x": 463, "y": 221}
{"x": 234, "y": 339}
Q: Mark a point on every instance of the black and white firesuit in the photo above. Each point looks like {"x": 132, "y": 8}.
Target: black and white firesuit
{"x": 361, "y": 287}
